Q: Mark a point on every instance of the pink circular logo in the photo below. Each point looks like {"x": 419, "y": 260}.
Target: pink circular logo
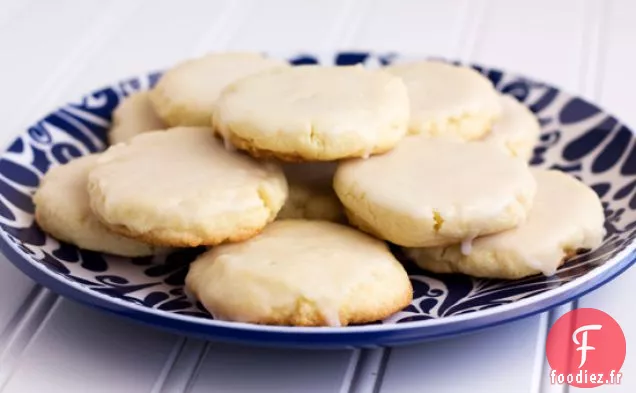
{"x": 586, "y": 348}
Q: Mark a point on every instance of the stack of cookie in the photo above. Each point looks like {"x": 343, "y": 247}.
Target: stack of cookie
{"x": 297, "y": 177}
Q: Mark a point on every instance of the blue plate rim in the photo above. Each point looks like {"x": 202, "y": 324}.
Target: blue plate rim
{"x": 451, "y": 325}
{"x": 575, "y": 288}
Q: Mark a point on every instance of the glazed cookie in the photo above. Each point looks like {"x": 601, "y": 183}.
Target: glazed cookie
{"x": 186, "y": 94}
{"x": 567, "y": 216}
{"x": 429, "y": 192}
{"x": 310, "y": 173}
{"x": 312, "y": 203}
{"x": 182, "y": 188}
{"x": 448, "y": 100}
{"x": 311, "y": 194}
{"x": 133, "y": 115}
{"x": 517, "y": 130}
{"x": 62, "y": 210}
{"x": 314, "y": 113}
{"x": 302, "y": 273}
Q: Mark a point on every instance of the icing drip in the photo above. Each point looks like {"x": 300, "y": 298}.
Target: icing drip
{"x": 548, "y": 268}
{"x": 366, "y": 153}
{"x": 227, "y": 144}
{"x": 467, "y": 245}
{"x": 330, "y": 314}
{"x": 226, "y": 141}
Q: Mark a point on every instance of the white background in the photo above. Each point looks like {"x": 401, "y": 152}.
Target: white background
{"x": 54, "y": 51}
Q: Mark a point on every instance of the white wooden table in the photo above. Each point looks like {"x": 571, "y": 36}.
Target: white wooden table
{"x": 53, "y": 51}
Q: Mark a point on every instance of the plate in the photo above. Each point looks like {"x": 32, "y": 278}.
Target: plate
{"x": 577, "y": 137}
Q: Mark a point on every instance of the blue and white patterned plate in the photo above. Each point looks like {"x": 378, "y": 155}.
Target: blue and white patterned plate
{"x": 578, "y": 137}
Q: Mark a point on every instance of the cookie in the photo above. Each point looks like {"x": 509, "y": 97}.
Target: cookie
{"x": 310, "y": 173}
{"x": 429, "y": 192}
{"x": 314, "y": 113}
{"x": 567, "y": 216}
{"x": 186, "y": 94}
{"x": 182, "y": 188}
{"x": 133, "y": 115}
{"x": 312, "y": 203}
{"x": 301, "y": 273}
{"x": 448, "y": 100}
{"x": 517, "y": 130}
{"x": 62, "y": 209}
{"x": 311, "y": 194}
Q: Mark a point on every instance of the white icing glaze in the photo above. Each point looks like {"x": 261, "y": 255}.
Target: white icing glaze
{"x": 424, "y": 173}
{"x": 308, "y": 108}
{"x": 316, "y": 262}
{"x": 517, "y": 130}
{"x": 63, "y": 210}
{"x": 330, "y": 312}
{"x": 194, "y": 85}
{"x": 566, "y": 215}
{"x": 190, "y": 184}
{"x": 398, "y": 191}
{"x": 467, "y": 245}
{"x": 311, "y": 202}
{"x": 548, "y": 269}
{"x": 441, "y": 93}
{"x": 133, "y": 116}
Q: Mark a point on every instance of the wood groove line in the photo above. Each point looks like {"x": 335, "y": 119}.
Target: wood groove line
{"x": 575, "y": 305}
{"x": 55, "y": 85}
{"x": 168, "y": 366}
{"x": 222, "y": 31}
{"x": 539, "y": 354}
{"x": 386, "y": 356}
{"x": 373, "y": 362}
{"x": 181, "y": 371}
{"x": 590, "y": 78}
{"x": 369, "y": 371}
{"x": 38, "y": 307}
{"x": 463, "y": 22}
{"x": 192, "y": 378}
{"x": 347, "y": 26}
{"x": 367, "y": 365}
{"x": 545, "y": 386}
{"x": 350, "y": 373}
{"x": 468, "y": 37}
{"x": 346, "y": 13}
{"x": 599, "y": 37}
{"x": 182, "y": 366}
{"x": 25, "y": 332}
{"x": 221, "y": 34}
{"x": 19, "y": 315}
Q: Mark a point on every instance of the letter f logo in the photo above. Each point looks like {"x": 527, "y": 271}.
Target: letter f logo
{"x": 584, "y": 347}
